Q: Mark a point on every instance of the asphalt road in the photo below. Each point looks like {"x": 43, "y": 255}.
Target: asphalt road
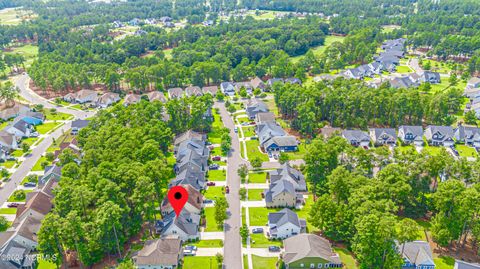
{"x": 232, "y": 244}
{"x": 30, "y": 160}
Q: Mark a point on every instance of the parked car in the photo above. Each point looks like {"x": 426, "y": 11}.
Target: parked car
{"x": 207, "y": 201}
{"x": 253, "y": 137}
{"x": 235, "y": 130}
{"x": 12, "y": 205}
{"x": 214, "y": 166}
{"x": 245, "y": 123}
{"x": 30, "y": 184}
{"x": 252, "y": 122}
{"x": 210, "y": 183}
{"x": 274, "y": 249}
{"x": 194, "y": 248}
{"x": 188, "y": 252}
{"x": 11, "y": 158}
{"x": 257, "y": 230}
{"x": 263, "y": 195}
{"x": 216, "y": 158}
{"x": 208, "y": 143}
{"x": 227, "y": 189}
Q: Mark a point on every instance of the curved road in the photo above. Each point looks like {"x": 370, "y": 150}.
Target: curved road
{"x": 26, "y": 166}
{"x": 232, "y": 247}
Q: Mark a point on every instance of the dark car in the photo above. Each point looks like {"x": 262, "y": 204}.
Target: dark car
{"x": 12, "y": 205}
{"x": 257, "y": 230}
{"x": 214, "y": 166}
{"x": 210, "y": 183}
{"x": 274, "y": 249}
{"x": 227, "y": 189}
{"x": 30, "y": 184}
{"x": 207, "y": 201}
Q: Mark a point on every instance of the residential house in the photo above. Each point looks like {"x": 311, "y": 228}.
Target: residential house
{"x": 163, "y": 253}
{"x": 280, "y": 194}
{"x": 131, "y": 99}
{"x": 472, "y": 93}
{"x": 212, "y": 90}
{"x": 169, "y": 24}
{"x": 416, "y": 254}
{"x": 193, "y": 205}
{"x": 356, "y": 137}
{"x": 263, "y": 117}
{"x": 255, "y": 108}
{"x": 292, "y": 175}
{"x": 193, "y": 161}
{"x": 293, "y": 81}
{"x": 403, "y": 82}
{"x": 207, "y": 23}
{"x": 244, "y": 85}
{"x": 166, "y": 19}
{"x": 81, "y": 97}
{"x": 272, "y": 81}
{"x": 175, "y": 93}
{"x": 16, "y": 256}
{"x": 329, "y": 131}
{"x": 33, "y": 118}
{"x": 376, "y": 68}
{"x": 185, "y": 226}
{"x": 189, "y": 176}
{"x": 383, "y": 136}
{"x": 14, "y": 111}
{"x": 156, "y": 96}
{"x": 439, "y": 135}
{"x": 257, "y": 83}
{"x": 77, "y": 125}
{"x": 38, "y": 204}
{"x": 8, "y": 140}
{"x": 193, "y": 91}
{"x": 411, "y": 134}
{"x": 265, "y": 131}
{"x": 107, "y": 99}
{"x": 26, "y": 231}
{"x": 227, "y": 88}
{"x": 51, "y": 173}
{"x": 465, "y": 265}
{"x": 285, "y": 223}
{"x": 309, "y": 251}
{"x": 430, "y": 77}
{"x": 20, "y": 128}
{"x": 189, "y": 135}
{"x": 468, "y": 135}
{"x": 474, "y": 82}
{"x": 281, "y": 143}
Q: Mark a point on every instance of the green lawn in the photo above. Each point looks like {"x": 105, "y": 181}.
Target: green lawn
{"x": 466, "y": 151}
{"x": 402, "y": 69}
{"x": 317, "y": 51}
{"x": 255, "y": 194}
{"x": 444, "y": 262}
{"x": 253, "y": 151}
{"x": 217, "y": 175}
{"x": 38, "y": 164}
{"x": 243, "y": 119}
{"x": 49, "y": 115}
{"x": 30, "y": 53}
{"x": 46, "y": 127}
{"x": 17, "y": 153}
{"x": 244, "y": 221}
{"x": 260, "y": 241}
{"x": 214, "y": 192}
{"x": 299, "y": 154}
{"x": 210, "y": 218}
{"x": 12, "y": 199}
{"x": 347, "y": 258}
{"x": 432, "y": 150}
{"x": 215, "y": 134}
{"x": 258, "y": 215}
{"x": 305, "y": 211}
{"x": 195, "y": 262}
{"x": 44, "y": 264}
{"x": 257, "y": 177}
{"x": 8, "y": 211}
{"x": 208, "y": 243}
{"x": 390, "y": 28}
{"x": 30, "y": 140}
{"x": 245, "y": 261}
{"x": 8, "y": 164}
{"x": 248, "y": 131}
{"x": 263, "y": 263}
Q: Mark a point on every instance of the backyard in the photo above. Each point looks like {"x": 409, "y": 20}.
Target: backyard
{"x": 253, "y": 151}
{"x": 255, "y": 194}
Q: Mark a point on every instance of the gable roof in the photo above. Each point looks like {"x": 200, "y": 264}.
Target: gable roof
{"x": 446, "y": 131}
{"x": 265, "y": 117}
{"x": 37, "y": 201}
{"x": 11, "y": 112}
{"x": 210, "y": 90}
{"x": 193, "y": 91}
{"x": 277, "y": 188}
{"x": 80, "y": 123}
{"x": 156, "y": 95}
{"x": 417, "y": 252}
{"x": 355, "y": 135}
{"x": 256, "y": 82}
{"x": 195, "y": 199}
{"x": 108, "y": 98}
{"x": 188, "y": 135}
{"x": 286, "y": 172}
{"x": 267, "y": 130}
{"x": 164, "y": 251}
{"x": 131, "y": 99}
{"x": 255, "y": 108}
{"x": 175, "y": 92}
{"x": 378, "y": 132}
{"x": 186, "y": 222}
{"x": 283, "y": 217}
{"x": 282, "y": 141}
{"x": 415, "y": 130}
{"x": 308, "y": 246}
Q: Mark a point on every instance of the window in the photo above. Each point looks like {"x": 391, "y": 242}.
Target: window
{"x": 312, "y": 265}
{"x": 320, "y": 265}
{"x": 302, "y": 265}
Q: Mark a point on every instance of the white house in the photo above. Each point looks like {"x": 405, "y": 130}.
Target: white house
{"x": 185, "y": 226}
{"x": 8, "y": 140}
{"x": 81, "y": 97}
{"x": 107, "y": 99}
{"x": 227, "y": 88}
{"x": 284, "y": 223}
{"x": 20, "y": 128}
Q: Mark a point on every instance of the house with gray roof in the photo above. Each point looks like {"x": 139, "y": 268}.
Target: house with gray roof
{"x": 272, "y": 81}
{"x": 255, "y": 108}
{"x": 107, "y": 99}
{"x": 411, "y": 134}
{"x": 281, "y": 194}
{"x": 16, "y": 256}
{"x": 285, "y": 143}
{"x": 309, "y": 251}
{"x": 356, "y": 137}
{"x": 227, "y": 88}
{"x": 159, "y": 253}
{"x": 78, "y": 125}
{"x": 193, "y": 205}
{"x": 185, "y": 226}
{"x": 20, "y": 128}
{"x": 257, "y": 83}
{"x": 8, "y": 140}
{"x": 383, "y": 136}
{"x": 190, "y": 176}
{"x": 285, "y": 223}
{"x": 416, "y": 254}
{"x": 293, "y": 81}
{"x": 193, "y": 91}
{"x": 192, "y": 160}
{"x": 245, "y": 85}
{"x": 474, "y": 82}
{"x": 430, "y": 77}
{"x": 188, "y": 135}
{"x": 292, "y": 175}
{"x": 403, "y": 82}
{"x": 175, "y": 93}
{"x": 14, "y": 111}
{"x": 131, "y": 99}
{"x": 212, "y": 90}
{"x": 439, "y": 135}
{"x": 263, "y": 117}
{"x": 468, "y": 135}
{"x": 465, "y": 265}
{"x": 267, "y": 130}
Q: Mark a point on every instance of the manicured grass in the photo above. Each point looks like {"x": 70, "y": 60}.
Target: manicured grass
{"x": 44, "y": 264}
{"x": 217, "y": 175}
{"x": 248, "y": 131}
{"x": 46, "y": 127}
{"x": 214, "y": 136}
{"x": 4, "y": 124}
{"x": 390, "y": 28}
{"x": 214, "y": 192}
{"x": 444, "y": 262}
{"x": 195, "y": 262}
{"x": 30, "y": 140}
{"x": 299, "y": 154}
{"x": 49, "y": 115}
{"x": 8, "y": 211}
{"x": 8, "y": 164}
{"x": 432, "y": 150}
{"x": 253, "y": 151}
{"x": 402, "y": 69}
{"x": 243, "y": 119}
{"x": 38, "y": 164}
{"x": 255, "y": 194}
{"x": 260, "y": 241}
{"x": 17, "y": 153}
{"x": 30, "y": 52}
{"x": 466, "y": 151}
{"x": 245, "y": 261}
{"x": 259, "y": 215}
{"x": 317, "y": 51}
{"x": 438, "y": 66}
{"x": 217, "y": 243}
{"x": 257, "y": 177}
{"x": 210, "y": 218}
{"x": 244, "y": 221}
{"x": 305, "y": 211}
{"x": 347, "y": 258}
{"x": 12, "y": 199}
{"x": 263, "y": 263}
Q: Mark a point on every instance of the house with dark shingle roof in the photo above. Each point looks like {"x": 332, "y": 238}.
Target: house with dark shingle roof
{"x": 416, "y": 254}
{"x": 439, "y": 135}
{"x": 78, "y": 124}
{"x": 263, "y": 117}
{"x": 286, "y": 172}
{"x": 175, "y": 93}
{"x": 81, "y": 97}
{"x": 16, "y": 256}
{"x": 430, "y": 77}
{"x": 185, "y": 226}
{"x": 267, "y": 130}
{"x": 193, "y": 91}
{"x": 255, "y": 108}
{"x": 212, "y": 90}
{"x": 190, "y": 176}
{"x": 156, "y": 96}
{"x": 403, "y": 82}
{"x": 356, "y": 137}
{"x": 20, "y": 128}
{"x": 309, "y": 251}
{"x": 411, "y": 134}
{"x": 383, "y": 136}
{"x": 281, "y": 143}
{"x": 188, "y": 135}
{"x": 468, "y": 135}
{"x": 193, "y": 205}
{"x": 281, "y": 194}
{"x": 285, "y": 223}
{"x": 159, "y": 253}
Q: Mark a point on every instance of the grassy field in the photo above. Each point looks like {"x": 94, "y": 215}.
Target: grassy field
{"x": 214, "y": 192}
{"x": 257, "y": 177}
{"x": 217, "y": 175}
{"x": 38, "y": 164}
{"x": 255, "y": 194}
{"x": 347, "y": 258}
{"x": 215, "y": 135}
{"x": 209, "y": 243}
{"x": 438, "y": 66}
{"x": 466, "y": 151}
{"x": 260, "y": 241}
{"x": 194, "y": 262}
{"x": 253, "y": 151}
{"x": 248, "y": 131}
{"x": 46, "y": 127}
{"x": 390, "y": 28}
{"x": 402, "y": 69}
{"x": 30, "y": 140}
{"x": 8, "y": 211}
{"x": 30, "y": 52}
{"x": 210, "y": 217}
{"x": 266, "y": 14}
{"x": 258, "y": 215}
{"x": 55, "y": 115}
{"x": 444, "y": 262}
{"x": 245, "y": 261}
{"x": 317, "y": 51}
{"x": 14, "y": 16}
{"x": 299, "y": 154}
{"x": 263, "y": 263}
{"x": 44, "y": 264}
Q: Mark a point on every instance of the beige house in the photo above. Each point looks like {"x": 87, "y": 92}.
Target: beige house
{"x": 163, "y": 253}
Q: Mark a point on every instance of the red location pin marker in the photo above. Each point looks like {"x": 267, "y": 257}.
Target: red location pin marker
{"x": 177, "y": 196}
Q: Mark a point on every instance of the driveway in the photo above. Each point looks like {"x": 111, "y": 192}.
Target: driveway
{"x": 208, "y": 252}
{"x": 232, "y": 244}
